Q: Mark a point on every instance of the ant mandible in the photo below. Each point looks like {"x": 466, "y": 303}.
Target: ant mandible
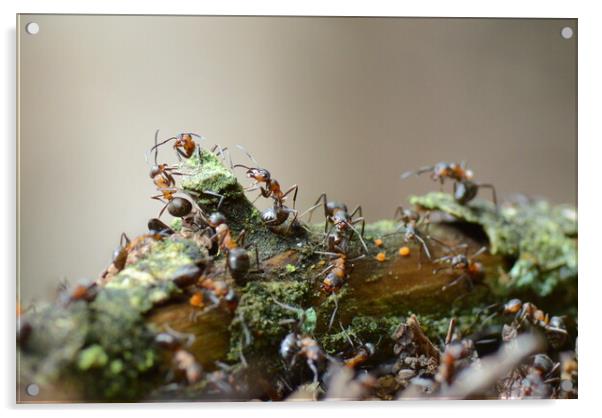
{"x": 470, "y": 270}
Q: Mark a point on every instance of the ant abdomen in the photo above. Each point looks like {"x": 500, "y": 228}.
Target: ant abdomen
{"x": 179, "y": 207}
{"x": 239, "y": 262}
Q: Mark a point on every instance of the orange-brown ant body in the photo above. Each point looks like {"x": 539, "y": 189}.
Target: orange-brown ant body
{"x": 470, "y": 270}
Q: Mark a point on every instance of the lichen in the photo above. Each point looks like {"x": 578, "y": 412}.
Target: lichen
{"x": 539, "y": 238}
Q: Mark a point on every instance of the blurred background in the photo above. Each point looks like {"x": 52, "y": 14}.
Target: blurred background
{"x": 336, "y": 105}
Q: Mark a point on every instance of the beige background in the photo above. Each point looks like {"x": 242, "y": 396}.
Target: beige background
{"x": 342, "y": 105}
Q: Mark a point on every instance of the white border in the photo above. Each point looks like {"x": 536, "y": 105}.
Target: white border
{"x": 590, "y": 92}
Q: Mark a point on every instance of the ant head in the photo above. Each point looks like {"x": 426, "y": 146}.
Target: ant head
{"x": 469, "y": 174}
{"x": 512, "y": 306}
{"x": 459, "y": 261}
{"x": 259, "y": 174}
{"x": 155, "y": 171}
{"x": 440, "y": 170}
{"x": 476, "y": 268}
{"x": 216, "y": 219}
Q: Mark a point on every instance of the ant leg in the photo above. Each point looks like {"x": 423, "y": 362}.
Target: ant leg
{"x": 334, "y": 311}
{"x": 425, "y": 246}
{"x": 163, "y": 209}
{"x": 362, "y": 220}
{"x": 346, "y": 335}
{"x": 215, "y": 194}
{"x": 359, "y": 236}
{"x": 123, "y": 239}
{"x": 241, "y": 238}
{"x": 314, "y": 369}
{"x": 287, "y": 307}
{"x": 296, "y": 189}
{"x": 437, "y": 270}
{"x": 357, "y": 210}
{"x": 398, "y": 212}
{"x": 243, "y": 149}
{"x": 493, "y": 194}
{"x": 295, "y": 215}
{"x": 481, "y": 251}
{"x": 450, "y": 331}
{"x": 455, "y": 281}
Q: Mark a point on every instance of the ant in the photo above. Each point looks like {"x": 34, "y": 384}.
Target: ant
{"x": 471, "y": 270}
{"x": 441, "y": 171}
{"x": 528, "y": 313}
{"x": 295, "y": 345}
{"x": 465, "y": 190}
{"x": 409, "y": 221}
{"x": 279, "y": 213}
{"x": 532, "y": 380}
{"x": 336, "y": 274}
{"x": 184, "y": 144}
{"x": 162, "y": 174}
{"x": 238, "y": 261}
{"x": 361, "y": 355}
{"x": 454, "y": 354}
{"x": 337, "y": 215}
{"x": 183, "y": 360}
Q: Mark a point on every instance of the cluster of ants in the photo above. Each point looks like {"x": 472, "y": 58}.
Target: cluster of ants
{"x": 340, "y": 228}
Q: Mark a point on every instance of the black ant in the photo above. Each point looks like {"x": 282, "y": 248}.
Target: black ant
{"x": 337, "y": 215}
{"x": 471, "y": 270}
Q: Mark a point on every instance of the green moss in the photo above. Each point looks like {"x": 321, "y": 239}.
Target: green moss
{"x": 361, "y": 329}
{"x": 258, "y": 312}
{"x": 540, "y": 238}
{"x": 93, "y": 356}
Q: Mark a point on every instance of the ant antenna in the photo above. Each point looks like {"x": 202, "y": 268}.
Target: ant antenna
{"x": 243, "y": 149}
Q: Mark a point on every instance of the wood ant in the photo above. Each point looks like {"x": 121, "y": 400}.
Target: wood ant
{"x": 441, "y": 171}
{"x": 471, "y": 270}
{"x": 528, "y": 314}
{"x": 336, "y": 274}
{"x": 409, "y": 223}
{"x": 238, "y": 261}
{"x": 185, "y": 363}
{"x": 279, "y": 212}
{"x": 298, "y": 343}
{"x": 361, "y": 355}
{"x": 162, "y": 174}
{"x": 453, "y": 357}
{"x": 465, "y": 190}
{"x": 184, "y": 144}
{"x": 340, "y": 220}
{"x": 532, "y": 380}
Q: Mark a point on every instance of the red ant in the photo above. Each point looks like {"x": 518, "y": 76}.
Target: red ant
{"x": 361, "y": 355}
{"x": 465, "y": 190}
{"x": 528, "y": 313}
{"x": 338, "y": 216}
{"x": 295, "y": 345}
{"x": 441, "y": 171}
{"x": 337, "y": 273}
{"x": 471, "y": 270}
{"x": 184, "y": 144}
{"x": 409, "y": 221}
{"x": 237, "y": 258}
{"x": 185, "y": 363}
{"x": 272, "y": 187}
